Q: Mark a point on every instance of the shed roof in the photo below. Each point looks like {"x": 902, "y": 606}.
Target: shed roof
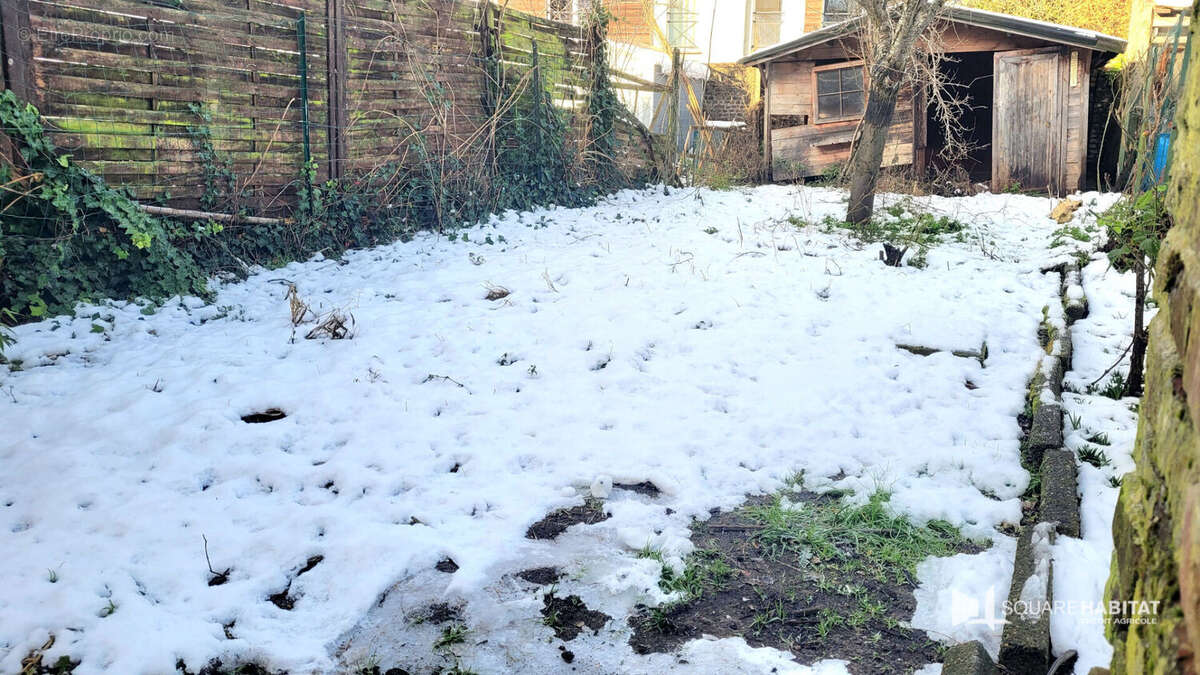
{"x": 1053, "y": 32}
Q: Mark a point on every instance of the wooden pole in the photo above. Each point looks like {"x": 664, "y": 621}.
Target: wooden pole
{"x": 18, "y": 49}
{"x": 766, "y": 122}
{"x": 16, "y": 44}
{"x": 336, "y": 103}
{"x": 673, "y": 110}
{"x": 190, "y": 214}
{"x": 302, "y": 45}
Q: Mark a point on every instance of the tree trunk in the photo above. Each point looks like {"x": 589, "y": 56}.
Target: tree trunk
{"x": 865, "y": 162}
{"x": 1137, "y": 351}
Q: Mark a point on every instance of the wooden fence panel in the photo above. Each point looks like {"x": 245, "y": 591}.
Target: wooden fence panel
{"x": 415, "y": 79}
{"x": 149, "y": 95}
{"x": 155, "y": 96}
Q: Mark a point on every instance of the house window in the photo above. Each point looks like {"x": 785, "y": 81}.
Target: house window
{"x": 835, "y": 11}
{"x": 840, "y": 92}
{"x": 767, "y": 18}
{"x": 681, "y": 25}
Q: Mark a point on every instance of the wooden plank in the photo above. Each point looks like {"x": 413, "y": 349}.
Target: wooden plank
{"x": 127, "y": 16}
{"x": 132, "y": 13}
{"x": 1059, "y": 154}
{"x": 18, "y": 52}
{"x": 338, "y": 79}
{"x": 167, "y": 35}
{"x": 807, "y": 150}
{"x": 1078, "y": 151}
{"x": 169, "y": 62}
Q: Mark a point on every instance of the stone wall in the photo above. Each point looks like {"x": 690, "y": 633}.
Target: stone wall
{"x": 1156, "y": 528}
{"x": 727, "y": 94}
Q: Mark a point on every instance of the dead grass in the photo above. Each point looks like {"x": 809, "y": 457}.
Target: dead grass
{"x": 738, "y": 160}
{"x": 299, "y": 309}
{"x": 495, "y": 292}
{"x": 336, "y": 325}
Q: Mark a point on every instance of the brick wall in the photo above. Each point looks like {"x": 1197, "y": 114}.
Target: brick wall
{"x": 727, "y": 93}
{"x": 535, "y": 7}
{"x": 629, "y": 23}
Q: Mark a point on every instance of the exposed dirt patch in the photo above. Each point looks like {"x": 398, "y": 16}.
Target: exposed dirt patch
{"x": 437, "y": 614}
{"x": 496, "y": 293}
{"x": 310, "y": 564}
{"x": 376, "y": 670}
{"x": 542, "y": 576}
{"x": 216, "y": 667}
{"x": 590, "y": 512}
{"x": 643, "y": 488}
{"x": 283, "y": 599}
{"x": 268, "y": 415}
{"x": 813, "y": 600}
{"x": 568, "y": 616}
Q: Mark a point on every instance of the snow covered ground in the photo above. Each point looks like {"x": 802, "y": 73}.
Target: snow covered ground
{"x": 697, "y": 340}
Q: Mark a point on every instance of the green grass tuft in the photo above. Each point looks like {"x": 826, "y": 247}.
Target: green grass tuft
{"x": 702, "y": 569}
{"x": 1094, "y": 456}
{"x": 866, "y": 537}
{"x": 453, "y": 634}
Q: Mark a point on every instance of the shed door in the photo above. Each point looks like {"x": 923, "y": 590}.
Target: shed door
{"x": 1027, "y": 120}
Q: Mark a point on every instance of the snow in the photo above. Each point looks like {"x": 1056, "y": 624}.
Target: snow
{"x": 634, "y": 347}
{"x": 962, "y": 596}
{"x": 1034, "y": 591}
{"x": 1082, "y": 565}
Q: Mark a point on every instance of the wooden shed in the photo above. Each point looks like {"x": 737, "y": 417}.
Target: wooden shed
{"x": 1028, "y": 84}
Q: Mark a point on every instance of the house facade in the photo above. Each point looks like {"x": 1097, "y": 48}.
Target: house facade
{"x": 1155, "y": 22}
{"x": 706, "y": 31}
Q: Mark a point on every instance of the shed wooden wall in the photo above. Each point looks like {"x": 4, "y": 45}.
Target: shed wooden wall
{"x": 808, "y": 149}
{"x": 799, "y": 147}
{"x": 1078, "y": 104}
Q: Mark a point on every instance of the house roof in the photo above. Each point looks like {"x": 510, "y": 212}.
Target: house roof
{"x": 1053, "y": 32}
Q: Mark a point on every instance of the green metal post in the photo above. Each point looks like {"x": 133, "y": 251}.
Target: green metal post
{"x": 303, "y": 46}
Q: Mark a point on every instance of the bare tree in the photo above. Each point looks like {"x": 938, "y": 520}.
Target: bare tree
{"x": 890, "y": 35}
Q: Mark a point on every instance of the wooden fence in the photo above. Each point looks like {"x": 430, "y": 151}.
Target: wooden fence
{"x": 161, "y": 95}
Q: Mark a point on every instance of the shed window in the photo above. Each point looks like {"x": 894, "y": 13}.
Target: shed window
{"x": 840, "y": 93}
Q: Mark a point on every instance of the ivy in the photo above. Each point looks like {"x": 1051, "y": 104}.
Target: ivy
{"x": 534, "y": 159}
{"x": 66, "y": 236}
{"x": 217, "y": 172}
{"x": 603, "y": 103}
{"x": 1136, "y": 227}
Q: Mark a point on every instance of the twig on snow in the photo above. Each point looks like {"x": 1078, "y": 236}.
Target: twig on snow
{"x": 1114, "y": 365}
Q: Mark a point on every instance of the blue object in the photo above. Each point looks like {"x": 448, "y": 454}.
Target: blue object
{"x": 1162, "y": 150}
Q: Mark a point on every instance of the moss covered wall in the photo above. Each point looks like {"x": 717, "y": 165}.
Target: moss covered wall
{"x": 1156, "y": 528}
